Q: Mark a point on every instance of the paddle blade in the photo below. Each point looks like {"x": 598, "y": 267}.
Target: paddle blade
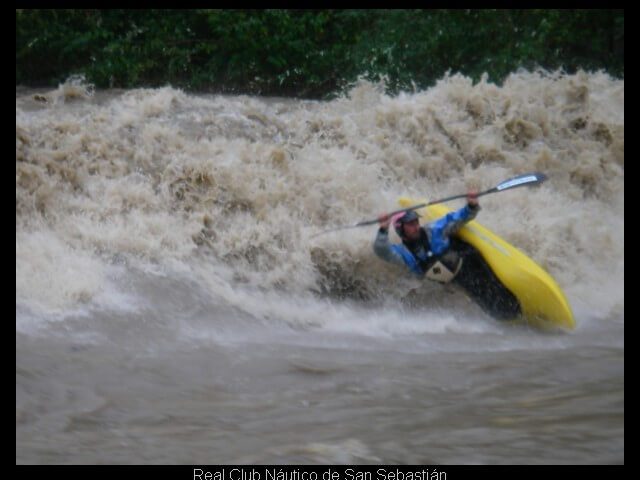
{"x": 521, "y": 180}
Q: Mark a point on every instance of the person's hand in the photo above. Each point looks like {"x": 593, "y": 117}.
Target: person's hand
{"x": 472, "y": 199}
{"x": 384, "y": 219}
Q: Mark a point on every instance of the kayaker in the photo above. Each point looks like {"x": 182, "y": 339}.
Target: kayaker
{"x": 432, "y": 251}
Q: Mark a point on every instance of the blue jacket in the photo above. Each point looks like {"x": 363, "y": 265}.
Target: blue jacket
{"x": 437, "y": 234}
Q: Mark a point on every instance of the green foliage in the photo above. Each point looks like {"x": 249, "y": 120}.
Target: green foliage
{"x": 309, "y": 53}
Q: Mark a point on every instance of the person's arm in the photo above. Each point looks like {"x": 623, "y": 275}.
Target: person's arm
{"x": 381, "y": 245}
{"x": 440, "y": 230}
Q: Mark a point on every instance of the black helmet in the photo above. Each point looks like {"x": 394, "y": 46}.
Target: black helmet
{"x": 409, "y": 216}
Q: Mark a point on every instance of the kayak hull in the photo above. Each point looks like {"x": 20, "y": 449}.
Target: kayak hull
{"x": 542, "y": 301}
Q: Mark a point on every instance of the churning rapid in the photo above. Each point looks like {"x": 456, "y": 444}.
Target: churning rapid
{"x": 174, "y": 305}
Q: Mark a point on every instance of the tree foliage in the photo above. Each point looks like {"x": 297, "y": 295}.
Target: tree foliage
{"x": 308, "y": 53}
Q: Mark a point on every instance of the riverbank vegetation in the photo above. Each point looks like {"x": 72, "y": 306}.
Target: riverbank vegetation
{"x": 308, "y": 53}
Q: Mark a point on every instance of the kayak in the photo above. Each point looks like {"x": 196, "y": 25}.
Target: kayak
{"x": 541, "y": 300}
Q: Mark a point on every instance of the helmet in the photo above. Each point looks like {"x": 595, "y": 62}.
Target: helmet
{"x": 408, "y": 216}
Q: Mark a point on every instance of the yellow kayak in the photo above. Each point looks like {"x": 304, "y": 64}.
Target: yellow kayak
{"x": 542, "y": 302}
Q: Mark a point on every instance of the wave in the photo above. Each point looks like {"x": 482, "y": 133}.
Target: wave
{"x": 229, "y": 190}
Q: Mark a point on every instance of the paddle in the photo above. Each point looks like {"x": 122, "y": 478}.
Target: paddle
{"x": 530, "y": 179}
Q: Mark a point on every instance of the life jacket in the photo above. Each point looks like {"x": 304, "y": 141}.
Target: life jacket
{"x": 421, "y": 260}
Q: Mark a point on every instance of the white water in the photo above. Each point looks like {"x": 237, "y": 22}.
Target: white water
{"x": 173, "y": 306}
